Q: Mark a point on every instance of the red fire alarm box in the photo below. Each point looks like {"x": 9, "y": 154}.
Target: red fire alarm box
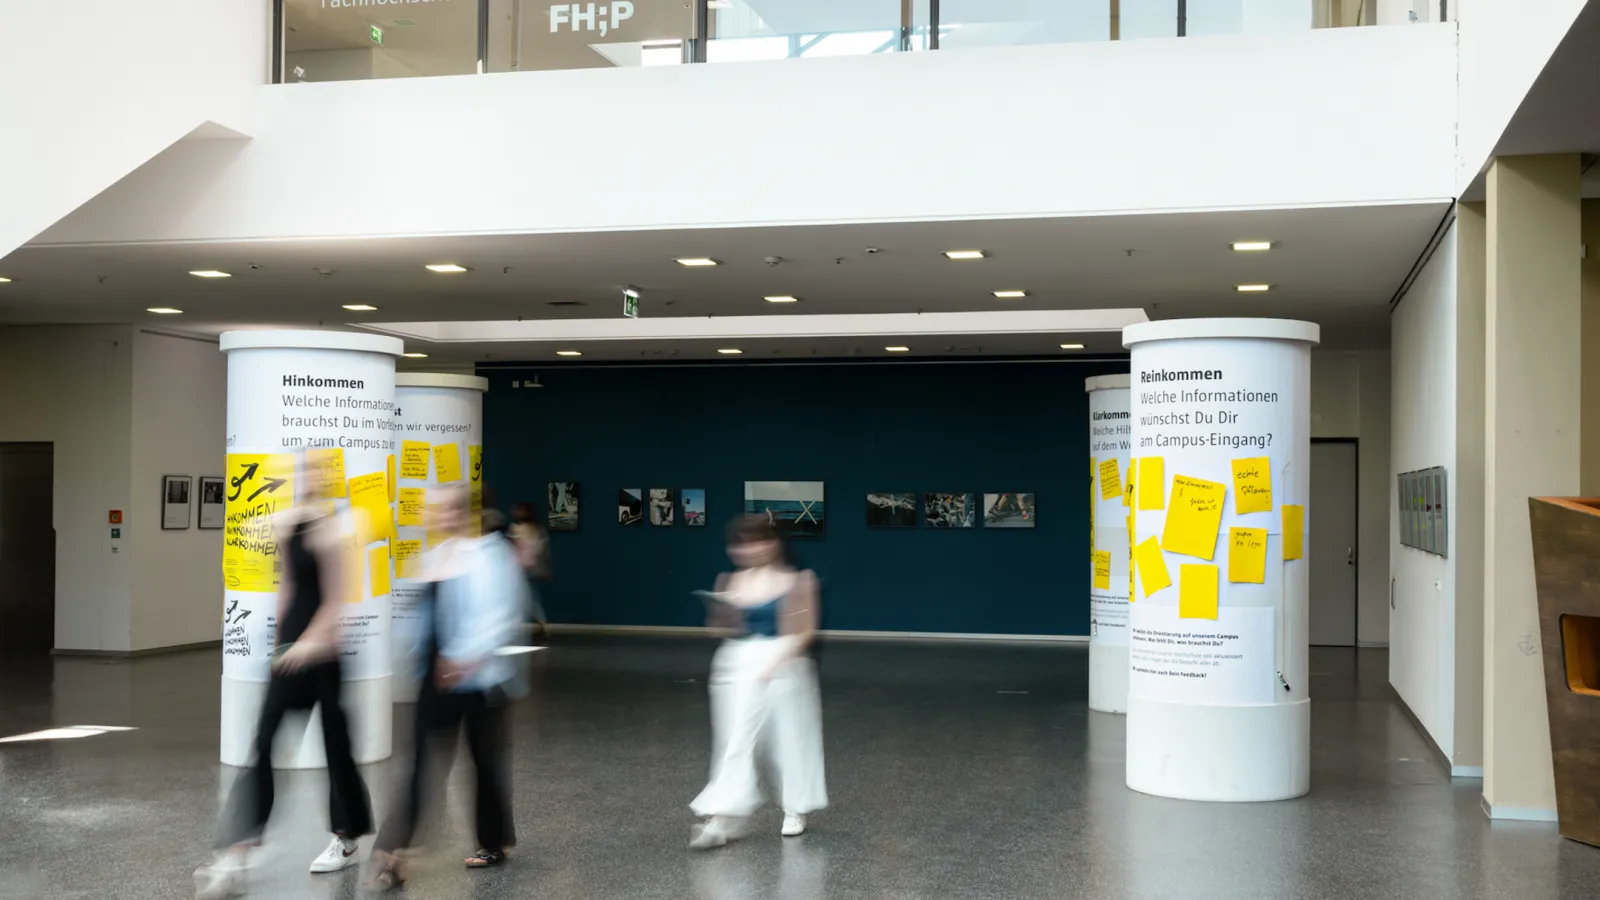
{"x": 116, "y": 517}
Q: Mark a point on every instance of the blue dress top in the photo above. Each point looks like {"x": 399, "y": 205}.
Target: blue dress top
{"x": 762, "y": 621}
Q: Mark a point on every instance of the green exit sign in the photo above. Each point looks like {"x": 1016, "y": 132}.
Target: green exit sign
{"x": 630, "y": 303}
{"x": 377, "y": 35}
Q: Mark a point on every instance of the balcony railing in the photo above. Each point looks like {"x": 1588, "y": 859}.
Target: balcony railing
{"x": 344, "y": 40}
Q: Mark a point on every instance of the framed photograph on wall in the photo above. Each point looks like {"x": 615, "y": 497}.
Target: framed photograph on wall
{"x": 795, "y": 508}
{"x": 694, "y": 506}
{"x": 663, "y": 506}
{"x": 630, "y": 506}
{"x": 561, "y": 500}
{"x": 1008, "y": 511}
{"x": 889, "y": 509}
{"x": 213, "y": 502}
{"x": 175, "y": 501}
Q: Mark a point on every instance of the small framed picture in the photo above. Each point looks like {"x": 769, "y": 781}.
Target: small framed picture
{"x": 175, "y": 501}
{"x": 213, "y": 504}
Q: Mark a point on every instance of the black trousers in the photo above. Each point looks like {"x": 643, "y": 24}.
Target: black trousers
{"x": 250, "y": 802}
{"x": 441, "y": 717}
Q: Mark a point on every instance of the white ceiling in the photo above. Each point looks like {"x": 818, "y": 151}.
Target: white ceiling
{"x": 1335, "y": 266}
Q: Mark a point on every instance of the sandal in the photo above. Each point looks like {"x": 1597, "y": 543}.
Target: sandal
{"x": 485, "y": 858}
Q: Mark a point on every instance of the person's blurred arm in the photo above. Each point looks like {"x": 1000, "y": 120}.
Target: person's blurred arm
{"x": 541, "y": 553}
{"x": 801, "y": 612}
{"x": 493, "y": 606}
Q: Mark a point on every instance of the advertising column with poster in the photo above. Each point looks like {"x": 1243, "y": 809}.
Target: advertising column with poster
{"x": 1217, "y": 701}
{"x": 310, "y": 422}
{"x": 439, "y": 428}
{"x": 1110, "y": 519}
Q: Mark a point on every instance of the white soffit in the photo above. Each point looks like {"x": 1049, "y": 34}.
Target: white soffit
{"x": 1050, "y": 321}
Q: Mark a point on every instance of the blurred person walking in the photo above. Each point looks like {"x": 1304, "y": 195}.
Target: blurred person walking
{"x": 305, "y": 673}
{"x": 764, "y": 693}
{"x": 533, "y": 552}
{"x": 476, "y": 599}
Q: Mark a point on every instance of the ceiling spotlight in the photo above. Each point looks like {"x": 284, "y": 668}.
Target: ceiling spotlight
{"x": 569, "y": 352}
{"x": 164, "y": 310}
{"x": 1010, "y": 295}
{"x": 1072, "y": 346}
{"x": 730, "y": 351}
{"x": 360, "y": 307}
{"x": 783, "y": 299}
{"x": 4, "y": 280}
{"x": 1245, "y": 246}
{"x": 445, "y": 268}
{"x": 898, "y": 349}
{"x": 210, "y": 273}
{"x": 964, "y": 254}
{"x": 1254, "y": 288}
{"x": 698, "y": 261}
{"x": 415, "y": 355}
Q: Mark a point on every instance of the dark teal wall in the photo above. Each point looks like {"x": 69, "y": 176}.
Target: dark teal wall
{"x": 897, "y": 427}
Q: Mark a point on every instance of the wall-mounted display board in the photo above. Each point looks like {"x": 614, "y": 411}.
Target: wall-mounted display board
{"x": 1424, "y": 510}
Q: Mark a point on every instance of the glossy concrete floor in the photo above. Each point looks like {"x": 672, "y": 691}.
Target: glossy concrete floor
{"x": 955, "y": 772}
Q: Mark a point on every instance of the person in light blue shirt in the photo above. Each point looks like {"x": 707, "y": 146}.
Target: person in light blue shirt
{"x": 475, "y": 602}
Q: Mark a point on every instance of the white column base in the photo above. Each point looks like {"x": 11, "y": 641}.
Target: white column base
{"x": 406, "y": 686}
{"x": 368, "y": 703}
{"x": 1108, "y": 677}
{"x": 1219, "y": 753}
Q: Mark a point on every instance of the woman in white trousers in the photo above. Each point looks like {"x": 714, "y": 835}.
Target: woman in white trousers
{"x": 764, "y": 696}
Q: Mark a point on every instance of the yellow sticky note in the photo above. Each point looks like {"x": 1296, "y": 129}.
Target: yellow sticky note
{"x": 369, "y": 500}
{"x": 1294, "y": 531}
{"x": 1152, "y": 482}
{"x": 1127, "y": 488}
{"x": 1130, "y": 557}
{"x": 414, "y": 460}
{"x": 1197, "y": 591}
{"x": 1247, "y": 555}
{"x": 1252, "y": 485}
{"x": 1152, "y": 567}
{"x": 407, "y": 559}
{"x": 447, "y": 462}
{"x": 378, "y": 570}
{"x": 475, "y": 466}
{"x": 413, "y": 506}
{"x": 1193, "y": 516}
{"x": 389, "y": 467}
{"x": 327, "y": 466}
{"x": 1110, "y": 480}
{"x": 1101, "y": 560}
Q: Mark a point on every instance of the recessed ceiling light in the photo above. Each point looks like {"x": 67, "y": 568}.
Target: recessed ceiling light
{"x": 698, "y": 261}
{"x": 415, "y": 355}
{"x": 4, "y": 280}
{"x": 730, "y": 351}
{"x": 898, "y": 349}
{"x": 360, "y": 307}
{"x": 210, "y": 273}
{"x": 1010, "y": 295}
{"x": 1072, "y": 346}
{"x": 164, "y": 310}
{"x": 444, "y": 268}
{"x": 964, "y": 254}
{"x": 1244, "y": 246}
{"x": 782, "y": 299}
{"x": 569, "y": 352}
{"x": 1254, "y": 288}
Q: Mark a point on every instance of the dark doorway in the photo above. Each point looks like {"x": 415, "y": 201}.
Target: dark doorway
{"x": 27, "y": 548}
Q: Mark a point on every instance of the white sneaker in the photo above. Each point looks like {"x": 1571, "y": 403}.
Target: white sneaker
{"x": 793, "y": 825}
{"x": 341, "y": 854}
{"x": 225, "y": 877}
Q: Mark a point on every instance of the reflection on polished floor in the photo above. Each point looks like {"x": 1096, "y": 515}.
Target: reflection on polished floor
{"x": 946, "y": 783}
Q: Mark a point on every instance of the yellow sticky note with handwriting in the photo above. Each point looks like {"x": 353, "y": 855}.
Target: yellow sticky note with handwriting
{"x": 1197, "y": 591}
{"x": 378, "y": 570}
{"x": 447, "y": 462}
{"x": 1101, "y": 560}
{"x": 407, "y": 559}
{"x": 413, "y": 506}
{"x": 369, "y": 501}
{"x": 1152, "y": 567}
{"x": 1252, "y": 485}
{"x": 1247, "y": 555}
{"x": 1152, "y": 482}
{"x": 1127, "y": 488}
{"x": 1193, "y": 516}
{"x": 414, "y": 460}
{"x": 393, "y": 482}
{"x": 1294, "y": 531}
{"x": 326, "y": 464}
{"x": 1110, "y": 480}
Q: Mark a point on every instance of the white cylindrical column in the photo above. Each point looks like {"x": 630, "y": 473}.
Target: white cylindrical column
{"x": 1217, "y": 700}
{"x": 439, "y": 424}
{"x": 292, "y": 393}
{"x": 1110, "y": 515}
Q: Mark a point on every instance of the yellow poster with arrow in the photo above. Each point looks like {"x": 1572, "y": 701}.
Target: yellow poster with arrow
{"x": 259, "y": 485}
